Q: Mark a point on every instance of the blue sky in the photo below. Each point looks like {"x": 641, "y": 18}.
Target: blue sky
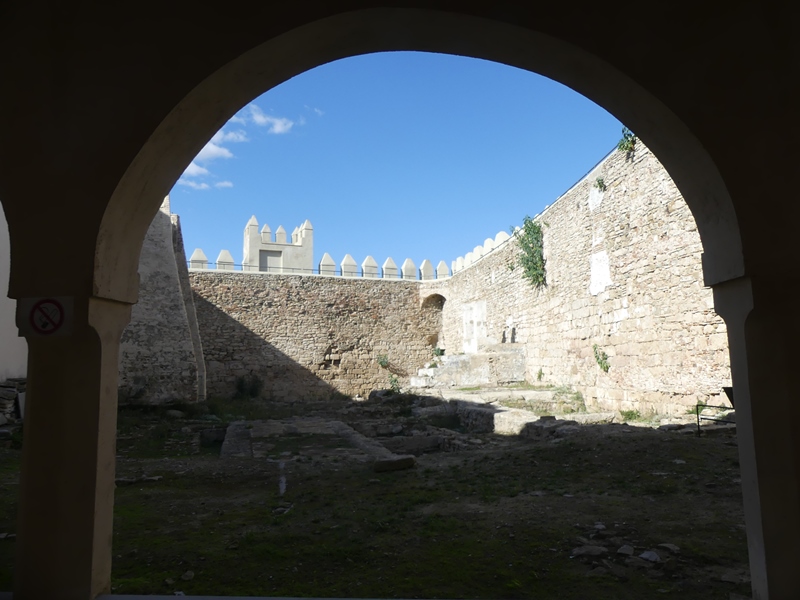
{"x": 403, "y": 154}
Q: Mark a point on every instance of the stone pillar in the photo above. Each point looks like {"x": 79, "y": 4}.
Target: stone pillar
{"x": 327, "y": 266}
{"x": 198, "y": 260}
{"x": 441, "y": 270}
{"x": 252, "y": 243}
{"x": 426, "y": 270}
{"x": 64, "y": 524}
{"x": 408, "y": 270}
{"x": 369, "y": 268}
{"x": 390, "y": 270}
{"x": 762, "y": 323}
{"x": 349, "y": 266}
{"x": 225, "y": 261}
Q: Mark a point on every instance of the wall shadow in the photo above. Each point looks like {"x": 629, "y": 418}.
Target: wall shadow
{"x": 232, "y": 351}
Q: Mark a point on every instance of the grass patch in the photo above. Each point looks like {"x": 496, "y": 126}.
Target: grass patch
{"x": 496, "y": 520}
{"x": 631, "y": 415}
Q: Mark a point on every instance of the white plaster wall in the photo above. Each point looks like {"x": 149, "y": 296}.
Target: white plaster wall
{"x": 13, "y": 349}
{"x": 473, "y": 317}
{"x": 297, "y": 254}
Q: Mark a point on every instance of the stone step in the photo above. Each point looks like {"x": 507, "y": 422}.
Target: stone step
{"x": 503, "y": 363}
{"x": 489, "y": 395}
{"x": 513, "y": 421}
{"x": 421, "y": 382}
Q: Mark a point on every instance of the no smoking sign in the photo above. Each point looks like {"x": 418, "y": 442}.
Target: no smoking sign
{"x": 44, "y": 316}
{"x": 47, "y": 316}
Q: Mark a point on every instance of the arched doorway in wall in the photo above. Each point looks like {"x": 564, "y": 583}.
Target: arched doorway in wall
{"x": 217, "y": 98}
{"x": 432, "y": 307}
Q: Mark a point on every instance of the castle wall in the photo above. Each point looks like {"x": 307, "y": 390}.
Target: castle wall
{"x": 160, "y": 349}
{"x": 310, "y": 336}
{"x": 623, "y": 272}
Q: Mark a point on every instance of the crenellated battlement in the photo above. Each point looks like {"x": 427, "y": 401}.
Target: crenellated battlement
{"x": 489, "y": 244}
{"x": 264, "y": 254}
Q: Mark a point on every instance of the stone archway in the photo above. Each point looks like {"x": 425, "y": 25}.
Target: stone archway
{"x": 189, "y": 125}
{"x": 432, "y": 307}
{"x": 141, "y": 160}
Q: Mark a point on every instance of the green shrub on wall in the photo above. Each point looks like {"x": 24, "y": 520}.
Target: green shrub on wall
{"x": 531, "y": 258}
{"x": 628, "y": 142}
{"x": 602, "y": 358}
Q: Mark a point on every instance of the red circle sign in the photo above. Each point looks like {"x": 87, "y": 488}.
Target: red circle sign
{"x": 47, "y": 316}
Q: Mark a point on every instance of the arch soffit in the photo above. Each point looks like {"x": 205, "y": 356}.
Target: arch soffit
{"x": 208, "y": 107}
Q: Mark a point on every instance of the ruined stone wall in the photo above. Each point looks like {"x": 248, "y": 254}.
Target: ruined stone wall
{"x": 310, "y": 336}
{"x": 623, "y": 272}
{"x": 160, "y": 350}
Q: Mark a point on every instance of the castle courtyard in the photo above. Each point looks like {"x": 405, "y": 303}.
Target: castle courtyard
{"x": 619, "y": 510}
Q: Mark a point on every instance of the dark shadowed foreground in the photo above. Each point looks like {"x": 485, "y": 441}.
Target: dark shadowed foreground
{"x": 610, "y": 511}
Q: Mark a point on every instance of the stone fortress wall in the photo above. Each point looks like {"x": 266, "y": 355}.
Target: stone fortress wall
{"x": 161, "y": 355}
{"x": 623, "y": 273}
{"x": 310, "y": 336}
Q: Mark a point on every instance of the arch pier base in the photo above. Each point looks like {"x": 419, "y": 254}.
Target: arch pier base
{"x": 66, "y": 498}
{"x": 763, "y": 333}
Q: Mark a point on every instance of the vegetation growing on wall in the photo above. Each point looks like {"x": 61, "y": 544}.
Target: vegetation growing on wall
{"x": 531, "y": 258}
{"x": 601, "y": 358}
{"x": 627, "y": 143}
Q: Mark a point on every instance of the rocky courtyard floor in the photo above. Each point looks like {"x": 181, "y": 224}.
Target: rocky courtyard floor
{"x": 296, "y": 507}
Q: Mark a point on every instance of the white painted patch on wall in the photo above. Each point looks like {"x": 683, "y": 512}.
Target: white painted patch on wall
{"x": 473, "y": 317}
{"x": 617, "y": 317}
{"x": 595, "y": 197}
{"x": 600, "y": 273}
{"x": 597, "y": 235}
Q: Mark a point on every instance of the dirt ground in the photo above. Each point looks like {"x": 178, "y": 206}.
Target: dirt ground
{"x": 619, "y": 511}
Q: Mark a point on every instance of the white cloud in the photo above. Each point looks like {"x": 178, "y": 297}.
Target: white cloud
{"x": 193, "y": 184}
{"x": 216, "y": 147}
{"x": 276, "y": 125}
{"x": 212, "y": 151}
{"x": 319, "y": 112}
{"x": 195, "y": 170}
{"x": 223, "y": 136}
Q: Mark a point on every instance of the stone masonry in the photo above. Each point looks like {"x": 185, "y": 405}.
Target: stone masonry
{"x": 624, "y": 273}
{"x": 310, "y": 336}
{"x": 161, "y": 357}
